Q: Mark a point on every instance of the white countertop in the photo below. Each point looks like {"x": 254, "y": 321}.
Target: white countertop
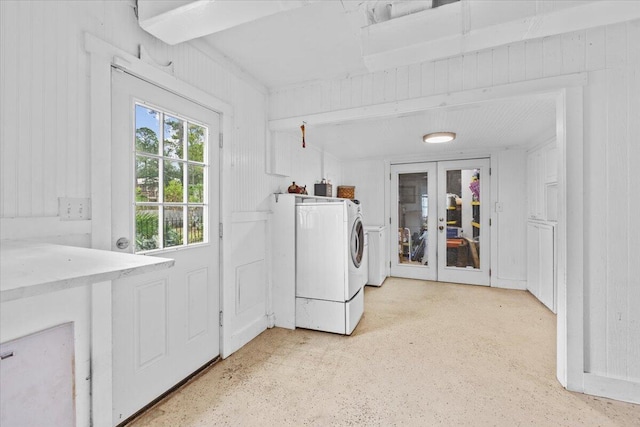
{"x": 28, "y": 269}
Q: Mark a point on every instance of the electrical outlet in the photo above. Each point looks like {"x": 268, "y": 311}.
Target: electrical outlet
{"x": 74, "y": 208}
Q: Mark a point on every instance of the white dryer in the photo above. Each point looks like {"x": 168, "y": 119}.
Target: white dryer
{"x": 329, "y": 287}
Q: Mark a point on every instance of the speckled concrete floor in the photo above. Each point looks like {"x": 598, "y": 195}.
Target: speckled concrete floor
{"x": 424, "y": 354}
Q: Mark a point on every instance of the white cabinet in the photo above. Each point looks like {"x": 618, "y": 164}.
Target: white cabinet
{"x": 377, "y": 251}
{"x": 541, "y": 264}
{"x": 37, "y": 387}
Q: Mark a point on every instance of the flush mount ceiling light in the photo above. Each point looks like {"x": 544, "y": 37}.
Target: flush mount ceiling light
{"x": 438, "y": 137}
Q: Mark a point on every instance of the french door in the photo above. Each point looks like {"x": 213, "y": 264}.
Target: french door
{"x": 440, "y": 225}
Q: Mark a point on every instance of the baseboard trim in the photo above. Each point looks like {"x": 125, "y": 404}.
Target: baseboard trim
{"x": 246, "y": 334}
{"x": 520, "y": 285}
{"x": 612, "y": 388}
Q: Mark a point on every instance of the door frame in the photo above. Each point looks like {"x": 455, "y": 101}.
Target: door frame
{"x": 102, "y": 57}
{"x": 569, "y": 93}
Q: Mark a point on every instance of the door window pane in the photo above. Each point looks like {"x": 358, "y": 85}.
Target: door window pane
{"x": 463, "y": 218}
{"x": 196, "y": 184}
{"x": 147, "y": 237}
{"x": 173, "y": 182}
{"x": 196, "y": 143}
{"x": 173, "y": 226}
{"x": 147, "y": 178}
{"x": 173, "y": 137}
{"x": 413, "y": 213}
{"x": 196, "y": 225}
{"x": 147, "y": 130}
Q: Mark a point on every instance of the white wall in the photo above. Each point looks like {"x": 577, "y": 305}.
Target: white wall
{"x": 45, "y": 127}
{"x": 369, "y": 179}
{"x": 511, "y": 244}
{"x": 611, "y": 58}
{"x": 305, "y": 166}
{"x": 45, "y": 98}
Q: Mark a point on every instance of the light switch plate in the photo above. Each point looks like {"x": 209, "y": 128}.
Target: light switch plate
{"x": 74, "y": 208}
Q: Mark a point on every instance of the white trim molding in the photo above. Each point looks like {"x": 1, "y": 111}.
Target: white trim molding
{"x": 612, "y": 388}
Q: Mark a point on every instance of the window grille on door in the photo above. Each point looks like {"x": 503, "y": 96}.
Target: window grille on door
{"x": 170, "y": 180}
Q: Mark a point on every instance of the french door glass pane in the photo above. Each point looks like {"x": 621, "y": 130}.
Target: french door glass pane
{"x": 413, "y": 213}
{"x": 463, "y": 218}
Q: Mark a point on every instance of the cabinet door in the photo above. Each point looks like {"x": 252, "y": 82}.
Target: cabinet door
{"x": 546, "y": 291}
{"x": 37, "y": 387}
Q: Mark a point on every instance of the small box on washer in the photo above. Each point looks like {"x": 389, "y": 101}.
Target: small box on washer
{"x": 322, "y": 190}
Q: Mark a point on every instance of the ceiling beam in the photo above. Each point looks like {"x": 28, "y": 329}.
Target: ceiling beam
{"x": 464, "y": 27}
{"x": 407, "y": 106}
{"x": 177, "y": 21}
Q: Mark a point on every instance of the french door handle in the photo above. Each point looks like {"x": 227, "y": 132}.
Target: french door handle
{"x": 441, "y": 227}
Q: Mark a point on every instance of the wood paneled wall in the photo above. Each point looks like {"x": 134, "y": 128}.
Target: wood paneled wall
{"x": 594, "y": 49}
{"x": 611, "y": 57}
{"x": 44, "y": 139}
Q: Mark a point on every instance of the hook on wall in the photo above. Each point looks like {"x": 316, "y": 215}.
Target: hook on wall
{"x": 302, "y": 128}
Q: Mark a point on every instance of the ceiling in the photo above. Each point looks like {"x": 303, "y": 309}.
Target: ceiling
{"x": 300, "y": 41}
{"x": 323, "y": 40}
{"x": 314, "y": 42}
{"x": 481, "y": 128}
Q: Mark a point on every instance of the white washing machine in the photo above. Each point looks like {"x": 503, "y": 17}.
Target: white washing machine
{"x": 329, "y": 270}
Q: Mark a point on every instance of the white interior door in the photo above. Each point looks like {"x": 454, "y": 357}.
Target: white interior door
{"x": 440, "y": 228}
{"x": 463, "y": 221}
{"x": 165, "y": 202}
{"x": 413, "y": 221}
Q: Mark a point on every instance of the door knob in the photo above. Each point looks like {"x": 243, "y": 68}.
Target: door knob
{"x": 122, "y": 243}
{"x": 441, "y": 227}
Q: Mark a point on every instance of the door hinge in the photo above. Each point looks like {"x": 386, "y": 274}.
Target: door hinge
{"x": 389, "y": 264}
{"x": 489, "y": 272}
{"x": 220, "y": 317}
{"x": 489, "y": 222}
{"x": 220, "y": 140}
{"x": 389, "y": 220}
{"x": 389, "y": 177}
{"x": 489, "y": 171}
{"x": 220, "y": 230}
